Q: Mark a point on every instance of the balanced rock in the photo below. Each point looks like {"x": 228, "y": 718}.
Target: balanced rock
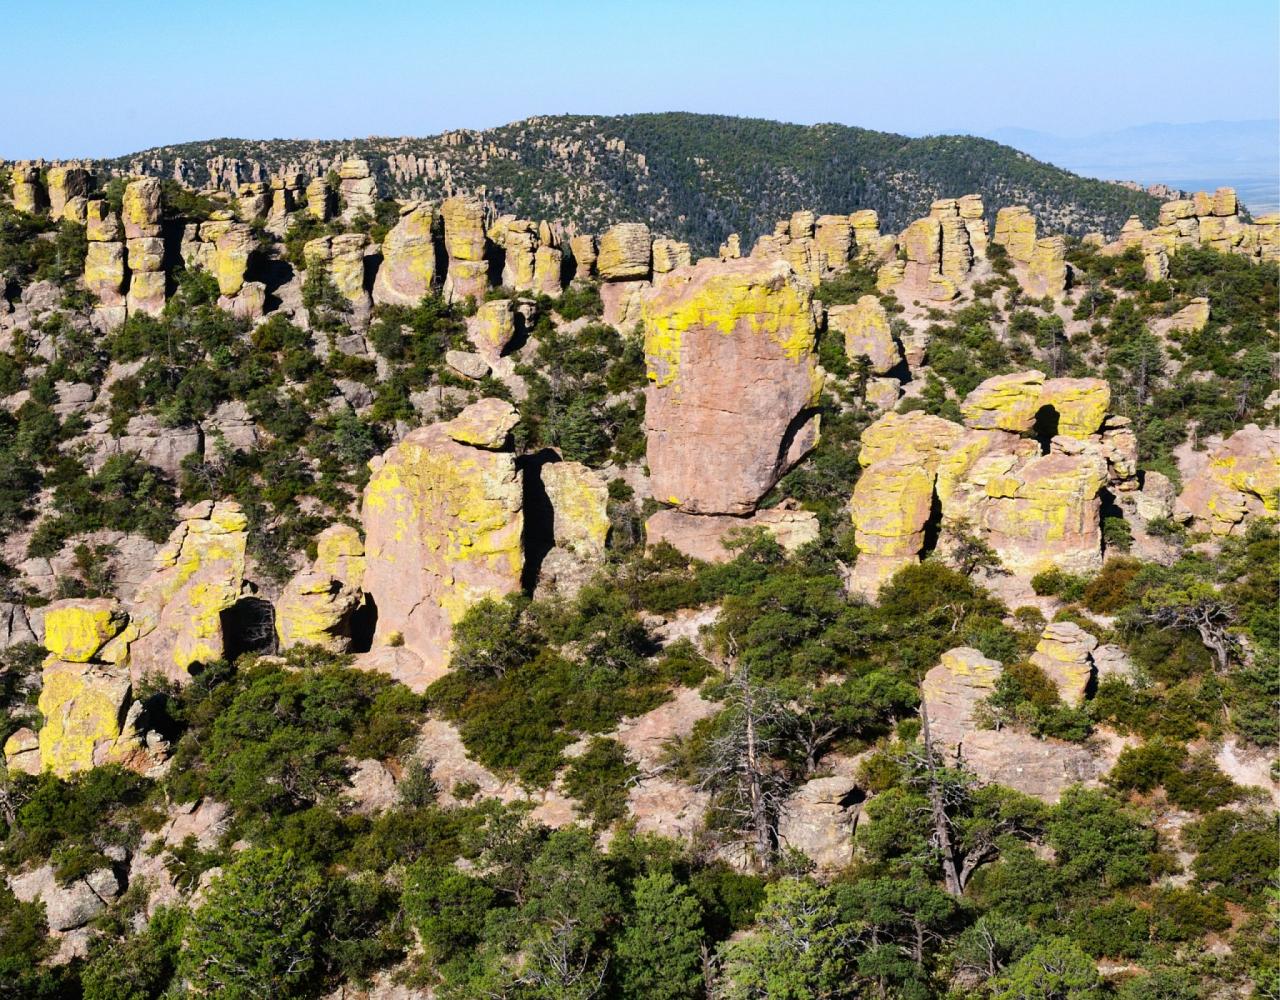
{"x": 583, "y": 248}
{"x": 865, "y": 328}
{"x": 408, "y": 267}
{"x": 319, "y": 199}
{"x": 76, "y": 629}
{"x": 733, "y": 378}
{"x": 443, "y": 516}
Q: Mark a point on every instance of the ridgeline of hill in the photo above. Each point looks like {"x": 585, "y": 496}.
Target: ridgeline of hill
{"x": 695, "y": 177}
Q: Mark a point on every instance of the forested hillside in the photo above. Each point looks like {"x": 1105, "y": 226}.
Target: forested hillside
{"x": 694, "y": 177}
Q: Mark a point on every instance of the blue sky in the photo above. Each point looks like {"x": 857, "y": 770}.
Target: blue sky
{"x": 93, "y": 79}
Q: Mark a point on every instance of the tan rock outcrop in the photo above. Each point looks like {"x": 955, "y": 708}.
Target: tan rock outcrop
{"x": 198, "y": 574}
{"x": 703, "y": 536}
{"x": 953, "y": 690}
{"x": 342, "y": 257}
{"x": 143, "y": 208}
{"x": 579, "y": 499}
{"x": 1240, "y": 483}
{"x": 624, "y": 252}
{"x": 317, "y": 605}
{"x": 865, "y": 328}
{"x": 443, "y": 518}
{"x": 1016, "y": 232}
{"x": 408, "y": 268}
{"x": 670, "y": 254}
{"x": 253, "y": 200}
{"x": 319, "y": 199}
{"x": 1064, "y": 653}
{"x": 492, "y": 327}
{"x": 66, "y": 182}
{"x": 25, "y": 189}
{"x": 733, "y": 375}
{"x": 1047, "y": 269}
{"x": 583, "y": 249}
{"x": 818, "y": 818}
{"x": 1013, "y": 402}
{"x": 358, "y": 188}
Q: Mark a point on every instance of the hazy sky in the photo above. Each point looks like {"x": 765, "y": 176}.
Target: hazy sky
{"x": 88, "y": 78}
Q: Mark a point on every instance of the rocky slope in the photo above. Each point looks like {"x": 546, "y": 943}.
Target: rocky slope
{"x": 361, "y": 565}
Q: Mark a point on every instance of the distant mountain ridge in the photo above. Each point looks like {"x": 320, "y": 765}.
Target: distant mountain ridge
{"x": 1241, "y": 154}
{"x": 692, "y": 176}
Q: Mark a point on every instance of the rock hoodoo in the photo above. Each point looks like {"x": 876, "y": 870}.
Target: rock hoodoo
{"x": 443, "y": 518}
{"x": 732, "y": 378}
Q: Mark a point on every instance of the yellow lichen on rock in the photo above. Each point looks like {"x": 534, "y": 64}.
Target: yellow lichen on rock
{"x": 84, "y": 716}
{"x": 1005, "y": 402}
{"x": 198, "y": 574}
{"x": 1016, "y": 232}
{"x": 579, "y": 500}
{"x": 866, "y": 331}
{"x": 75, "y": 629}
{"x": 1081, "y": 404}
{"x": 443, "y": 522}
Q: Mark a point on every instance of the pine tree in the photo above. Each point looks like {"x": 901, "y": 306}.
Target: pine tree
{"x": 659, "y": 952}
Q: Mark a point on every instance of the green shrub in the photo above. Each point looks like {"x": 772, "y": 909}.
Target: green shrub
{"x": 599, "y": 779}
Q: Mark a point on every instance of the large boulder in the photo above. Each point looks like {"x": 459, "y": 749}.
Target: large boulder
{"x": 1016, "y": 232}
{"x": 1064, "y": 653}
{"x": 733, "y": 379}
{"x": 86, "y": 716}
{"x": 952, "y": 691}
{"x": 624, "y": 252}
{"x": 467, "y": 275}
{"x": 818, "y": 818}
{"x": 1240, "y": 483}
{"x": 864, "y": 326}
{"x": 443, "y": 518}
{"x": 1014, "y": 402}
{"x": 76, "y": 629}
{"x": 142, "y": 208}
{"x": 408, "y": 267}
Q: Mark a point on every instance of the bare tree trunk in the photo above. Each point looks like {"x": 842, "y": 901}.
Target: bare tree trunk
{"x": 941, "y": 825}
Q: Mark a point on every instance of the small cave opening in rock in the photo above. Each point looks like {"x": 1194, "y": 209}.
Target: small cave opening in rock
{"x": 1045, "y": 428}
{"x": 248, "y": 626}
{"x": 932, "y": 526}
{"x": 362, "y": 624}
{"x": 539, "y": 519}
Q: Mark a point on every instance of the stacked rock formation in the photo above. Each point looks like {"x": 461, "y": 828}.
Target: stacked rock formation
{"x": 199, "y": 574}
{"x": 224, "y": 247}
{"x": 532, "y": 258}
{"x": 317, "y": 606}
{"x": 319, "y": 199}
{"x": 26, "y": 190}
{"x": 624, "y": 263}
{"x": 1047, "y": 270}
{"x": 443, "y": 519}
{"x": 142, "y": 212}
{"x": 286, "y": 193}
{"x": 464, "y": 242}
{"x": 104, "y": 264}
{"x": 1207, "y": 219}
{"x": 669, "y": 255}
{"x": 89, "y": 718}
{"x": 357, "y": 188}
{"x": 733, "y": 378}
{"x": 939, "y": 252}
{"x": 342, "y": 257}
{"x": 1240, "y": 483}
{"x": 1037, "y": 510}
{"x": 1016, "y": 232}
{"x": 408, "y": 269}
